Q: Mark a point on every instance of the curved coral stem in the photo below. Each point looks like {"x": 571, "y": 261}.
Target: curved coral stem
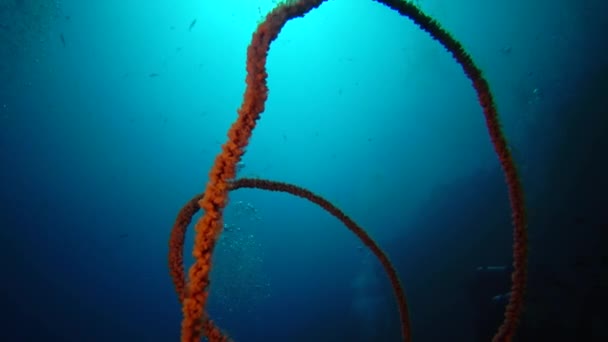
{"x": 215, "y": 197}
{"x": 176, "y": 245}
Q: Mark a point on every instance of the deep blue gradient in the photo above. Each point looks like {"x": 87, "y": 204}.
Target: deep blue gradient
{"x": 112, "y": 112}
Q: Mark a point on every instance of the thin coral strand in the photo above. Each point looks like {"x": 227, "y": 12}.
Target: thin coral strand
{"x": 215, "y": 199}
{"x": 514, "y": 308}
{"x": 353, "y": 227}
{"x": 176, "y": 263}
{"x": 185, "y": 216}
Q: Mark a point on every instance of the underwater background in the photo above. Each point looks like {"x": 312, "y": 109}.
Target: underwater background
{"x": 112, "y": 112}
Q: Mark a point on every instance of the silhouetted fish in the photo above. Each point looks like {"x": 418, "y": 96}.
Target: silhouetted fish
{"x": 153, "y": 75}
{"x": 192, "y": 24}
{"x": 62, "y": 39}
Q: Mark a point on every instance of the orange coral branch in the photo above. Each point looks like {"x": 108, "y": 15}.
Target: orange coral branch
{"x": 176, "y": 246}
{"x": 176, "y": 263}
{"x": 215, "y": 197}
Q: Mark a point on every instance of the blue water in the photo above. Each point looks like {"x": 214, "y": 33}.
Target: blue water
{"x": 112, "y": 112}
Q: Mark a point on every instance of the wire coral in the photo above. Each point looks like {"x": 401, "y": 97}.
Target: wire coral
{"x": 193, "y": 295}
{"x": 185, "y": 216}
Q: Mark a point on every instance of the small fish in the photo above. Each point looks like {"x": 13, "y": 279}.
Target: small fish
{"x": 152, "y": 75}
{"x": 122, "y": 236}
{"x": 62, "y": 39}
{"x": 240, "y": 166}
{"x": 192, "y": 24}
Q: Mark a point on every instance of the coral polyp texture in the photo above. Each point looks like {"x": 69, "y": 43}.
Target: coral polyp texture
{"x": 193, "y": 292}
